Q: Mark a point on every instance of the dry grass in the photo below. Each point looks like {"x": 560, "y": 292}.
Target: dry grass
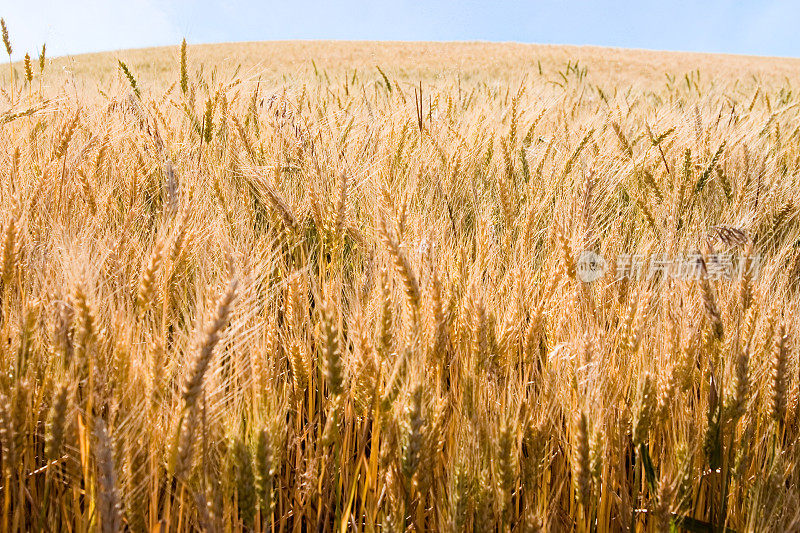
{"x": 299, "y": 295}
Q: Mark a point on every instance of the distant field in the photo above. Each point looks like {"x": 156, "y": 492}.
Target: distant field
{"x": 336, "y": 286}
{"x": 292, "y": 62}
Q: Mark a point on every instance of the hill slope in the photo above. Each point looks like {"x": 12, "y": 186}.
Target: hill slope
{"x": 493, "y": 62}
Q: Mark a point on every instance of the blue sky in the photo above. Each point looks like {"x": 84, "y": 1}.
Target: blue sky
{"x": 766, "y": 27}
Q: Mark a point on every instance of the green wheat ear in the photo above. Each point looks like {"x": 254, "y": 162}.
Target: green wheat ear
{"x": 42, "y": 58}
{"x": 130, "y": 77}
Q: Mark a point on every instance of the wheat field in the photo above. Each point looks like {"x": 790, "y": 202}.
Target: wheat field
{"x": 296, "y": 286}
